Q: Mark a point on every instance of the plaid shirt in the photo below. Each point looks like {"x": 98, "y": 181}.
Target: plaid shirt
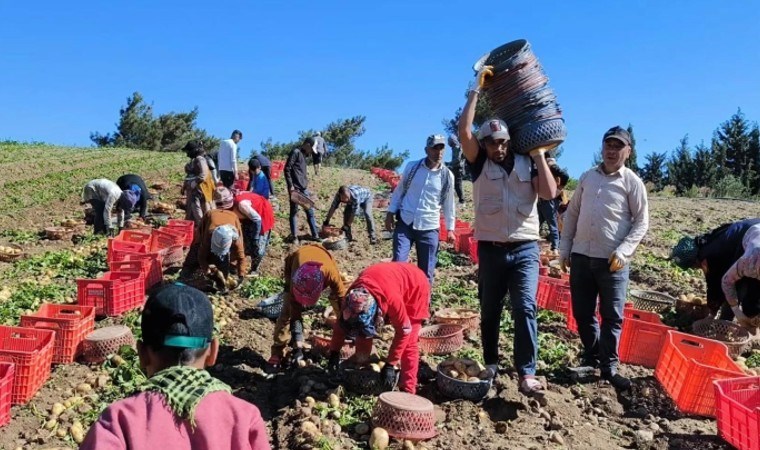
{"x": 359, "y": 195}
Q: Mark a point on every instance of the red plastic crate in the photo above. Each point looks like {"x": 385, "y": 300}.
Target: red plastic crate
{"x": 188, "y": 226}
{"x": 140, "y": 237}
{"x": 687, "y": 367}
{"x": 558, "y": 295}
{"x": 154, "y": 275}
{"x": 71, "y": 324}
{"x": 163, "y": 239}
{"x": 31, "y": 351}
{"x": 125, "y": 246}
{"x": 114, "y": 294}
{"x": 644, "y": 316}
{"x": 642, "y": 338}
{"x": 176, "y": 232}
{"x": 141, "y": 266}
{"x": 473, "y": 249}
{"x": 442, "y": 231}
{"x": 737, "y": 408}
{"x": 6, "y": 389}
{"x": 462, "y": 241}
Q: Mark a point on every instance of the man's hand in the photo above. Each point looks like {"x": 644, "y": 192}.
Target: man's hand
{"x": 564, "y": 264}
{"x": 537, "y": 152}
{"x": 480, "y": 78}
{"x": 451, "y": 237}
{"x": 741, "y": 318}
{"x": 390, "y": 222}
{"x": 388, "y": 377}
{"x": 617, "y": 261}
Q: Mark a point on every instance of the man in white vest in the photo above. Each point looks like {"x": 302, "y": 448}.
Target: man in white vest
{"x": 506, "y": 187}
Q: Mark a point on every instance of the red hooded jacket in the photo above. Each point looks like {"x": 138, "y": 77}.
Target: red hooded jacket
{"x": 261, "y": 206}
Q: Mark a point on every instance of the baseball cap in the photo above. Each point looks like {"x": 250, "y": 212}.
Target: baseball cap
{"x": 496, "y": 128}
{"x": 435, "y": 139}
{"x": 177, "y": 315}
{"x": 618, "y": 133}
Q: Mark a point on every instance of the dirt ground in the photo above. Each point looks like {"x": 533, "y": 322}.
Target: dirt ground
{"x": 576, "y": 416}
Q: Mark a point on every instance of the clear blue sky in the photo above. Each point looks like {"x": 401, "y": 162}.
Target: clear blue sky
{"x": 271, "y": 68}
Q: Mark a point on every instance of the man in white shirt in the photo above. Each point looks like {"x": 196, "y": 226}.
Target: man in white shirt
{"x": 318, "y": 152}
{"x": 607, "y": 218}
{"x": 227, "y": 156}
{"x": 426, "y": 188}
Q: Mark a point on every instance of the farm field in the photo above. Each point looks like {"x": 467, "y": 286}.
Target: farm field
{"x": 44, "y": 187}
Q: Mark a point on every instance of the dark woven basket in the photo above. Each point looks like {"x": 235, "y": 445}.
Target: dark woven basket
{"x": 546, "y": 133}
{"x": 453, "y": 388}
{"x": 737, "y": 339}
{"x": 271, "y": 307}
{"x": 505, "y": 56}
{"x": 651, "y": 300}
{"x": 340, "y": 244}
{"x": 363, "y": 381}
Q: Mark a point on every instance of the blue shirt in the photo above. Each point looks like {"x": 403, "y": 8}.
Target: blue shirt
{"x": 359, "y": 196}
{"x": 260, "y": 185}
{"x": 421, "y": 206}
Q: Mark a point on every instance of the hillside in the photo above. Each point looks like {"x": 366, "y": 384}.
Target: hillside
{"x": 42, "y": 185}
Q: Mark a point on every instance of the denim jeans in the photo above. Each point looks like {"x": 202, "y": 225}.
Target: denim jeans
{"x": 309, "y": 216}
{"x": 589, "y": 278}
{"x": 505, "y": 271}
{"x": 426, "y": 243}
{"x": 349, "y": 214}
{"x": 547, "y": 212}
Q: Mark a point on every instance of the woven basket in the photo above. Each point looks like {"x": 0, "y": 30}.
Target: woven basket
{"x": 546, "y": 133}
{"x": 271, "y": 307}
{"x": 363, "y": 381}
{"x": 453, "y": 388}
{"x": 58, "y": 233}
{"x": 10, "y": 257}
{"x": 651, "y": 300}
{"x": 503, "y": 57}
{"x": 470, "y": 319}
{"x": 405, "y": 416}
{"x": 340, "y": 244}
{"x": 321, "y": 345}
{"x": 737, "y": 339}
{"x": 441, "y": 339}
{"x": 327, "y": 232}
{"x": 105, "y": 341}
{"x": 301, "y": 199}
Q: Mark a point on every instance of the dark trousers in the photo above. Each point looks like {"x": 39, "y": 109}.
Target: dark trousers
{"x": 458, "y": 184}
{"x": 99, "y": 224}
{"x": 227, "y": 177}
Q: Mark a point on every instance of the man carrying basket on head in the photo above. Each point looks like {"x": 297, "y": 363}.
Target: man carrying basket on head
{"x": 399, "y": 292}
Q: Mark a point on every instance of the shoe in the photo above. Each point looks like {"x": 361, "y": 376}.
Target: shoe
{"x": 313, "y": 239}
{"x": 491, "y": 371}
{"x": 530, "y": 386}
{"x": 373, "y": 240}
{"x": 582, "y": 372}
{"x": 291, "y": 240}
{"x": 619, "y": 382}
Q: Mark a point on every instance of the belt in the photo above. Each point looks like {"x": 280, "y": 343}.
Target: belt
{"x": 507, "y": 245}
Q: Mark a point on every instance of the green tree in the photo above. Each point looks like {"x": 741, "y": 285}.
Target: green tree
{"x": 483, "y": 112}
{"x": 137, "y": 128}
{"x": 734, "y": 138}
{"x": 705, "y": 169}
{"x": 654, "y": 169}
{"x": 632, "y": 162}
{"x": 681, "y": 168}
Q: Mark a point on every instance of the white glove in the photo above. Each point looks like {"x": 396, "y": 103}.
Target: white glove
{"x": 742, "y": 319}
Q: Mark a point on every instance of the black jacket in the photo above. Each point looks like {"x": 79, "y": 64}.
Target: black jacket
{"x": 295, "y": 171}
{"x": 127, "y": 180}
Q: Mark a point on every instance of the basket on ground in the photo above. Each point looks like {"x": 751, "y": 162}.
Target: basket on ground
{"x": 71, "y": 324}
{"x": 106, "y": 341}
{"x": 328, "y": 231}
{"x": 737, "y": 408}
{"x": 31, "y": 351}
{"x": 442, "y": 339}
{"x": 58, "y": 233}
{"x": 335, "y": 243}
{"x": 651, "y": 300}
{"x": 737, "y": 339}
{"x": 363, "y": 381}
{"x": 6, "y": 389}
{"x": 468, "y": 318}
{"x": 404, "y": 416}
{"x": 687, "y": 367}
{"x": 11, "y": 252}
{"x": 468, "y": 390}
{"x": 321, "y": 345}
{"x": 271, "y": 307}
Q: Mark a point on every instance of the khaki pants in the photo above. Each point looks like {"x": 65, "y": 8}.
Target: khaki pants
{"x": 282, "y": 326}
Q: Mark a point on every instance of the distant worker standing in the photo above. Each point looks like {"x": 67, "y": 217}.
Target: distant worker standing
{"x": 457, "y": 166}
{"x": 319, "y": 151}
{"x": 227, "y": 155}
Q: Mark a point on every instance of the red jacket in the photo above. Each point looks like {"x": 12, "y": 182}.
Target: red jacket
{"x": 261, "y": 206}
{"x": 402, "y": 292}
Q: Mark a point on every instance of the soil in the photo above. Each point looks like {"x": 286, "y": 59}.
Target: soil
{"x": 575, "y": 416}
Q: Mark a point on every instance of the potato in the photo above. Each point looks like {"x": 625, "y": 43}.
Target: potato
{"x": 310, "y": 430}
{"x": 57, "y": 409}
{"x": 460, "y": 366}
{"x": 379, "y": 439}
{"x": 61, "y": 432}
{"x": 84, "y": 388}
{"x": 453, "y": 374}
{"x": 463, "y": 377}
{"x": 484, "y": 374}
{"x": 50, "y": 424}
{"x": 375, "y": 367}
{"x": 447, "y": 363}
{"x": 333, "y": 400}
{"x": 473, "y": 380}
{"x": 472, "y": 370}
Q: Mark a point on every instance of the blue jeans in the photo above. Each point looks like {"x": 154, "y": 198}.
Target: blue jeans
{"x": 589, "y": 278}
{"x": 512, "y": 271}
{"x": 309, "y": 217}
{"x": 426, "y": 243}
{"x": 547, "y": 212}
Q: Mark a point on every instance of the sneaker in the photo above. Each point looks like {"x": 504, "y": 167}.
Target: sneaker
{"x": 582, "y": 372}
{"x": 373, "y": 240}
{"x": 618, "y": 381}
{"x": 291, "y": 240}
{"x": 492, "y": 370}
{"x": 313, "y": 239}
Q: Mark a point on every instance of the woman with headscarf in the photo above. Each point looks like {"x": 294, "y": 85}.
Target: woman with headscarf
{"x": 105, "y": 195}
{"x": 393, "y": 292}
{"x": 134, "y": 183}
{"x": 199, "y": 183}
{"x": 221, "y": 237}
{"x": 308, "y": 271}
{"x": 729, "y": 256}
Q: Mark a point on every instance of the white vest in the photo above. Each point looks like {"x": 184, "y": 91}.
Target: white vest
{"x": 505, "y": 205}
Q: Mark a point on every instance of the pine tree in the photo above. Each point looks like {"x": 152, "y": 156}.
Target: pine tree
{"x": 733, "y": 138}
{"x": 654, "y": 169}
{"x": 705, "y": 168}
{"x": 681, "y": 173}
{"x": 632, "y": 162}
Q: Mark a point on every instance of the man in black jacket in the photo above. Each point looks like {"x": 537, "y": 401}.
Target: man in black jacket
{"x": 134, "y": 183}
{"x": 298, "y": 182}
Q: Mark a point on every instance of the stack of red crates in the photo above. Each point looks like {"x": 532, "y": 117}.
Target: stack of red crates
{"x": 187, "y": 226}
{"x": 71, "y": 324}
{"x": 31, "y": 352}
{"x": 737, "y": 409}
{"x": 113, "y": 294}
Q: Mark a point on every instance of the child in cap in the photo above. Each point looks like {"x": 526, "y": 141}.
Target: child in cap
{"x": 308, "y": 271}
{"x": 182, "y": 406}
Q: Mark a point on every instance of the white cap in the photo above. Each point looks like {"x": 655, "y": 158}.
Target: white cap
{"x": 496, "y": 128}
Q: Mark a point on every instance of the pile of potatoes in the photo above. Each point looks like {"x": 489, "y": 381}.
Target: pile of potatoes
{"x": 693, "y": 299}
{"x": 162, "y": 207}
{"x": 456, "y": 314}
{"x": 70, "y": 223}
{"x": 464, "y": 369}
{"x": 11, "y": 251}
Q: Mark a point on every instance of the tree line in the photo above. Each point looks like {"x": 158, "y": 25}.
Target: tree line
{"x": 138, "y": 127}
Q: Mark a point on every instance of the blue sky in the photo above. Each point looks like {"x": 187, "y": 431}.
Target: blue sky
{"x": 272, "y": 68}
